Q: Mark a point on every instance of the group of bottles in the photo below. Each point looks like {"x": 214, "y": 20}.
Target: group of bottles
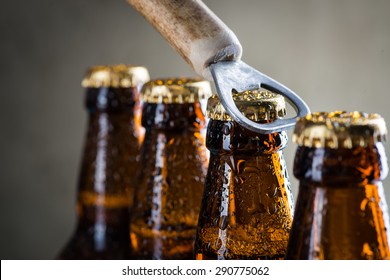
{"x": 152, "y": 191}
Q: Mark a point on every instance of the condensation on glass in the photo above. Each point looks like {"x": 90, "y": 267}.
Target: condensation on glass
{"x": 341, "y": 211}
{"x": 173, "y": 165}
{"x": 109, "y": 163}
{"x": 246, "y": 210}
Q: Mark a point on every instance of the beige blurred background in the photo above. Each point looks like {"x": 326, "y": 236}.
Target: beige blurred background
{"x": 334, "y": 53}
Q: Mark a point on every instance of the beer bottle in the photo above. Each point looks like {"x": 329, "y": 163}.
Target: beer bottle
{"x": 246, "y": 210}
{"x": 341, "y": 212}
{"x": 108, "y": 165}
{"x": 173, "y": 165}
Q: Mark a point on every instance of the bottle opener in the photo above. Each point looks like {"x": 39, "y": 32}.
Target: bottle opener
{"x": 214, "y": 52}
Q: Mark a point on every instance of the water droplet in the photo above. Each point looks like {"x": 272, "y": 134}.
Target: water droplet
{"x": 271, "y": 209}
{"x": 218, "y": 243}
{"x": 223, "y": 222}
{"x": 364, "y": 204}
{"x": 157, "y": 171}
{"x": 226, "y": 130}
{"x": 240, "y": 166}
{"x": 239, "y": 180}
{"x": 225, "y": 180}
{"x": 251, "y": 169}
{"x": 367, "y": 251}
{"x": 271, "y": 191}
{"x": 253, "y": 221}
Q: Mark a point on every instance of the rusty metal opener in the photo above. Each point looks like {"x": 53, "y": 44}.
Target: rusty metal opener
{"x": 214, "y": 52}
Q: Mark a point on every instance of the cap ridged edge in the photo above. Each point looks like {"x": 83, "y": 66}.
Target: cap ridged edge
{"x": 175, "y": 90}
{"x": 339, "y": 129}
{"x": 256, "y": 105}
{"x": 117, "y": 76}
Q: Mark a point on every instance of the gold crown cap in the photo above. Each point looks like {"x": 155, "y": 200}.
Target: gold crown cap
{"x": 339, "y": 129}
{"x": 117, "y": 76}
{"x": 256, "y": 105}
{"x": 175, "y": 90}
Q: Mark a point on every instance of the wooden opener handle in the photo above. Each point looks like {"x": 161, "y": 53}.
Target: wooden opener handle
{"x": 193, "y": 30}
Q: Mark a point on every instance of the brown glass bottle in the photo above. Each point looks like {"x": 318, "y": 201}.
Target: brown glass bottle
{"x": 246, "y": 210}
{"x": 108, "y": 165}
{"x": 173, "y": 165}
{"x": 341, "y": 211}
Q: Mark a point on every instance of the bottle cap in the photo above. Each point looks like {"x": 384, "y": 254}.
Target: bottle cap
{"x": 175, "y": 90}
{"x": 256, "y": 105}
{"x": 117, "y": 76}
{"x": 339, "y": 129}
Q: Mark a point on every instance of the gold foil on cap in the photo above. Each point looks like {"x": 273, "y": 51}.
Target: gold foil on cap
{"x": 116, "y": 76}
{"x": 339, "y": 129}
{"x": 256, "y": 105}
{"x": 175, "y": 90}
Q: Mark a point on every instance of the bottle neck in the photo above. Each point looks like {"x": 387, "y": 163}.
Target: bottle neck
{"x": 229, "y": 137}
{"x": 173, "y": 164}
{"x": 111, "y": 100}
{"x": 341, "y": 211}
{"x": 341, "y": 167}
{"x": 109, "y": 161}
{"x": 117, "y": 107}
{"x": 187, "y": 116}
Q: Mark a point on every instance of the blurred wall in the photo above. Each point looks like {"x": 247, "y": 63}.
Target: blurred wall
{"x": 334, "y": 53}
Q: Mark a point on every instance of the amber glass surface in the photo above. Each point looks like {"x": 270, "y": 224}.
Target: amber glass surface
{"x": 246, "y": 210}
{"x": 341, "y": 212}
{"x": 106, "y": 181}
{"x": 173, "y": 165}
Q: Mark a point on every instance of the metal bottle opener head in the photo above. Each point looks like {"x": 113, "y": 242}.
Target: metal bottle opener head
{"x": 238, "y": 76}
